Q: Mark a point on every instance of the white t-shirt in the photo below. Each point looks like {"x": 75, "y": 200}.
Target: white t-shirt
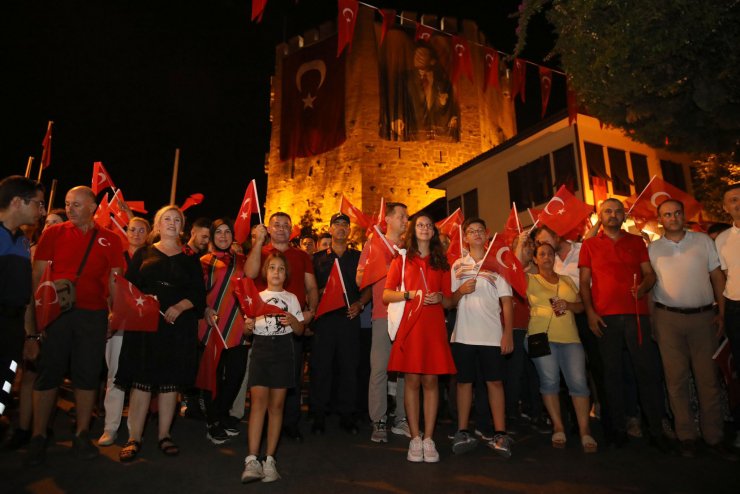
{"x": 569, "y": 265}
{"x": 683, "y": 270}
{"x": 479, "y": 313}
{"x": 269, "y": 325}
{"x": 728, "y": 247}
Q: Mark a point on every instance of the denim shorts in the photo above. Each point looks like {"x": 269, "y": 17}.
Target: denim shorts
{"x": 568, "y": 358}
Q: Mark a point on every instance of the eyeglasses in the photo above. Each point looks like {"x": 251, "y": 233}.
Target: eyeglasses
{"x": 475, "y": 232}
{"x": 425, "y": 226}
{"x": 41, "y": 204}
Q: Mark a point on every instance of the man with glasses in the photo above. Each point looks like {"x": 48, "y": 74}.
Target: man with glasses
{"x": 21, "y": 203}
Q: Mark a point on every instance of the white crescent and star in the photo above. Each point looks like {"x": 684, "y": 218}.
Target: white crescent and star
{"x": 317, "y": 65}
{"x": 499, "y": 254}
{"x": 555, "y": 199}
{"x": 249, "y": 300}
{"x": 103, "y": 242}
{"x": 655, "y": 196}
{"x": 54, "y": 288}
{"x": 348, "y": 14}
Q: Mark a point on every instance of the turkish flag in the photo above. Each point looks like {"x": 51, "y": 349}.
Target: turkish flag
{"x": 250, "y": 204}
{"x": 645, "y": 205}
{"x": 492, "y": 69}
{"x": 450, "y": 224}
{"x": 250, "y": 302}
{"x": 518, "y": 79}
{"x": 375, "y": 258}
{"x": 572, "y": 103}
{"x": 600, "y": 190}
{"x": 295, "y": 232}
{"x": 258, "y": 8}
{"x": 100, "y": 178}
{"x": 380, "y": 218}
{"x": 500, "y": 259}
{"x": 534, "y": 213}
{"x": 137, "y": 206}
{"x": 389, "y": 17}
{"x": 455, "y": 251}
{"x": 564, "y": 212}
{"x": 346, "y": 20}
{"x": 358, "y": 217}
{"x": 423, "y": 33}
{"x": 46, "y": 300}
{"x": 461, "y": 61}
{"x": 119, "y": 209}
{"x": 132, "y": 309}
{"x": 192, "y": 200}
{"x": 334, "y": 296}
{"x": 102, "y": 214}
{"x": 206, "y": 379}
{"x": 411, "y": 312}
{"x": 46, "y": 144}
{"x": 512, "y": 229}
{"x": 545, "y": 87}
{"x": 120, "y": 231}
{"x": 312, "y": 115}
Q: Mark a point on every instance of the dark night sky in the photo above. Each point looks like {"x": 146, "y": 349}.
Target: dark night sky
{"x": 126, "y": 82}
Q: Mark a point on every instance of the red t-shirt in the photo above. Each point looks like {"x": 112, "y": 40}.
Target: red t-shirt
{"x": 65, "y": 245}
{"x": 299, "y": 264}
{"x": 613, "y": 267}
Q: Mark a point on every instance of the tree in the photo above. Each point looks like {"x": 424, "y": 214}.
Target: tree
{"x": 665, "y": 71}
{"x": 712, "y": 174}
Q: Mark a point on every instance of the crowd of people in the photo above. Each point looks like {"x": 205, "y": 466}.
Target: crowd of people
{"x": 629, "y": 324}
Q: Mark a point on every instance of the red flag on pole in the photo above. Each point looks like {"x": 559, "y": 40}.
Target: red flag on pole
{"x": 207, "y": 370}
{"x": 250, "y": 302}
{"x": 423, "y": 32}
{"x": 572, "y": 103}
{"x": 375, "y": 259}
{"x": 192, "y": 200}
{"x": 258, "y": 8}
{"x": 645, "y": 205}
{"x": 358, "y": 217}
{"x": 455, "y": 251}
{"x": 346, "y": 20}
{"x": 380, "y": 219}
{"x": 249, "y": 205}
{"x": 411, "y": 313}
{"x": 132, "y": 309}
{"x": 500, "y": 259}
{"x": 449, "y": 225}
{"x": 492, "y": 68}
{"x": 512, "y": 229}
{"x": 100, "y": 178}
{"x": 46, "y": 300}
{"x": 461, "y": 61}
{"x": 534, "y": 213}
{"x": 389, "y": 17}
{"x": 295, "y": 232}
{"x": 600, "y": 190}
{"x": 137, "y": 206}
{"x": 102, "y": 214}
{"x": 545, "y": 87}
{"x": 46, "y": 144}
{"x": 518, "y": 79}
{"x": 564, "y": 212}
{"x": 119, "y": 209}
{"x": 335, "y": 295}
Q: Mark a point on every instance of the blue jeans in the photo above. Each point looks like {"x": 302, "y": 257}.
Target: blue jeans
{"x": 568, "y": 358}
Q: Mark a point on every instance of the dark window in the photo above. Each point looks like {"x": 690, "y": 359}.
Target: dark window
{"x": 470, "y": 204}
{"x": 531, "y": 184}
{"x": 620, "y": 178}
{"x": 517, "y": 192}
{"x": 640, "y": 171}
{"x": 565, "y": 168}
{"x": 453, "y": 204}
{"x": 673, "y": 173}
{"x": 595, "y": 162}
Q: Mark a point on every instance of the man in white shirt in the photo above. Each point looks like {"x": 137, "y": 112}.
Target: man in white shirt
{"x": 728, "y": 248}
{"x": 689, "y": 283}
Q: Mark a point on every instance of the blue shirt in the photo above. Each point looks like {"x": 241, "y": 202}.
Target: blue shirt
{"x": 15, "y": 268}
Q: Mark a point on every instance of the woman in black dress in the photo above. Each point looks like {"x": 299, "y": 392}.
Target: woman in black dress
{"x": 165, "y": 361}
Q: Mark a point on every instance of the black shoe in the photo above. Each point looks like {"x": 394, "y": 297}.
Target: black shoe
{"x": 541, "y": 426}
{"x": 216, "y": 434}
{"x": 319, "y": 425}
{"x": 687, "y": 448}
{"x": 231, "y": 426}
{"x": 20, "y": 438}
{"x": 36, "y": 454}
{"x": 349, "y": 425}
{"x": 662, "y": 444}
{"x": 293, "y": 433}
{"x": 83, "y": 447}
{"x": 723, "y": 452}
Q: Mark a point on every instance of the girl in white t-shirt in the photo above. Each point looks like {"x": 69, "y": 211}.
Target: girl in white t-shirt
{"x": 271, "y": 368}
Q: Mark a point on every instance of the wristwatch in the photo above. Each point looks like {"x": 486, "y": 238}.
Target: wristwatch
{"x": 406, "y": 296}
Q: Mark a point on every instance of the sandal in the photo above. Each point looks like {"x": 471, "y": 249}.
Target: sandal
{"x": 589, "y": 444}
{"x": 130, "y": 451}
{"x": 168, "y": 447}
{"x": 558, "y": 440}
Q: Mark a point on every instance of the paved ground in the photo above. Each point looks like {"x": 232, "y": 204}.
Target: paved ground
{"x": 340, "y": 463}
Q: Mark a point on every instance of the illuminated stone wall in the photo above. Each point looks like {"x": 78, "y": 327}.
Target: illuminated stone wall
{"x": 366, "y": 166}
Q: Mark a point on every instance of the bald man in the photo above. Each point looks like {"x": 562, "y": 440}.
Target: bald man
{"x": 88, "y": 256}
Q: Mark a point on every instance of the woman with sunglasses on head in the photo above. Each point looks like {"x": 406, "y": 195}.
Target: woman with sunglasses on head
{"x": 421, "y": 350}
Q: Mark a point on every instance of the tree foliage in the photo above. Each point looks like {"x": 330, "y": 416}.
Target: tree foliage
{"x": 665, "y": 71}
{"x": 712, "y": 174}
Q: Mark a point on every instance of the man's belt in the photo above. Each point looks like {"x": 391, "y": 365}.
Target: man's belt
{"x": 681, "y": 310}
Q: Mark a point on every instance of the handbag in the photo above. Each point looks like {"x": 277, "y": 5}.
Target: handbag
{"x": 65, "y": 288}
{"x": 395, "y": 309}
{"x": 538, "y": 345}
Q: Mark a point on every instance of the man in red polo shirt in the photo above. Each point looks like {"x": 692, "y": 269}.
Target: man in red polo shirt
{"x": 76, "y": 339}
{"x": 302, "y": 283}
{"x": 615, "y": 276}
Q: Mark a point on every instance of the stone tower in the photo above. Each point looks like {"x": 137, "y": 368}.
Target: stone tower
{"x": 367, "y": 166}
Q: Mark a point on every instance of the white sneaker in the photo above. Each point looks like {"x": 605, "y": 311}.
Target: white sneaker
{"x": 416, "y": 451}
{"x": 430, "y": 451}
{"x": 270, "y": 470}
{"x": 401, "y": 427}
{"x": 252, "y": 469}
{"x": 108, "y": 438}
